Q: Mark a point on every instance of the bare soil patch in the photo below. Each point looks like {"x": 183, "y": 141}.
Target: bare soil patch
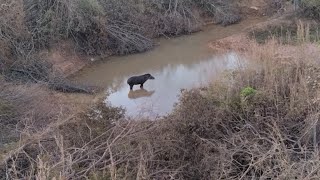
{"x": 65, "y": 58}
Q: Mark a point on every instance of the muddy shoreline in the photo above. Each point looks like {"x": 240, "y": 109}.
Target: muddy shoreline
{"x": 65, "y": 58}
{"x": 170, "y": 62}
{"x": 97, "y": 60}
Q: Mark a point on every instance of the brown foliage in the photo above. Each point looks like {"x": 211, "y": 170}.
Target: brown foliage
{"x": 218, "y": 132}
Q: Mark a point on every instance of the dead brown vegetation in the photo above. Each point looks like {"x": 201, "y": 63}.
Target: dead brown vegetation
{"x": 102, "y": 27}
{"x": 259, "y": 121}
{"x": 223, "y": 131}
{"x": 113, "y": 27}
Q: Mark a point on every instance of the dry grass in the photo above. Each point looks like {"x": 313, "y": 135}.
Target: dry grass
{"x": 103, "y": 27}
{"x": 259, "y": 121}
{"x": 288, "y": 32}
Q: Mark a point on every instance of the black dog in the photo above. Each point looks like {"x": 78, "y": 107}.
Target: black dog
{"x": 135, "y": 80}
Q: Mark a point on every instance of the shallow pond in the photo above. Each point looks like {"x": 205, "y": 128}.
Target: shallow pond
{"x": 178, "y": 63}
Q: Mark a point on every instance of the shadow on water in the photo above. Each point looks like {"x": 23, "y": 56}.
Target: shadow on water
{"x": 139, "y": 93}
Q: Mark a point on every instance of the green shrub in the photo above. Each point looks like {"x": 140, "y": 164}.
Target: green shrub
{"x": 248, "y": 91}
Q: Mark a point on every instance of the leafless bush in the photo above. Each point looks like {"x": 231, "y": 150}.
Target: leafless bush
{"x": 218, "y": 132}
{"x": 310, "y": 9}
{"x": 101, "y": 26}
{"x": 223, "y": 12}
{"x": 33, "y": 70}
{"x": 24, "y": 111}
{"x": 36, "y": 70}
{"x": 123, "y": 41}
{"x": 97, "y": 27}
{"x": 275, "y": 6}
{"x": 12, "y": 30}
{"x": 34, "y": 114}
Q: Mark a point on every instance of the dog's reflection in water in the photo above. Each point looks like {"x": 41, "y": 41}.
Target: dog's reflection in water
{"x": 139, "y": 93}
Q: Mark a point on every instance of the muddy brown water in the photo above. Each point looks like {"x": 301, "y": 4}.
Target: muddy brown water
{"x": 179, "y": 63}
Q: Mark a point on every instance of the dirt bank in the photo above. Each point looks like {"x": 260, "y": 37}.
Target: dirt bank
{"x": 65, "y": 58}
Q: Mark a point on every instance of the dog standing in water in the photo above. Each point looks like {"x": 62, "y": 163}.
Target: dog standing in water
{"x": 136, "y": 80}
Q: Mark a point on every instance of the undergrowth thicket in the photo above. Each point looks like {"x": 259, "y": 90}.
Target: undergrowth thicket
{"x": 258, "y": 121}
{"x": 100, "y": 27}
